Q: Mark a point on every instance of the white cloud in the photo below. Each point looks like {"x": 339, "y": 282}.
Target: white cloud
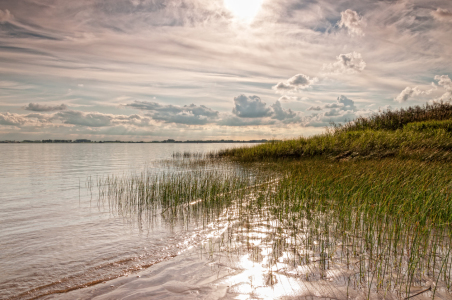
{"x": 286, "y": 98}
{"x": 349, "y": 63}
{"x": 71, "y": 118}
{"x": 12, "y": 119}
{"x": 250, "y": 107}
{"x": 347, "y": 104}
{"x": 5, "y": 16}
{"x": 353, "y": 22}
{"x": 45, "y": 107}
{"x": 280, "y": 113}
{"x": 315, "y": 108}
{"x": 342, "y": 104}
{"x": 295, "y": 83}
{"x": 442, "y": 15}
{"x": 445, "y": 82}
{"x": 407, "y": 93}
{"x": 188, "y": 114}
{"x": 234, "y": 121}
{"x": 84, "y": 119}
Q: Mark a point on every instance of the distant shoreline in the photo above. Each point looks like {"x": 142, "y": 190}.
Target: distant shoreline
{"x": 169, "y": 141}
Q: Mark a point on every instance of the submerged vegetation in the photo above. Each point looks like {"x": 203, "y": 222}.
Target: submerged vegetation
{"x": 376, "y": 220}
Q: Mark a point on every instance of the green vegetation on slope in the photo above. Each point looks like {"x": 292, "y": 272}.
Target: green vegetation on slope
{"x": 419, "y": 132}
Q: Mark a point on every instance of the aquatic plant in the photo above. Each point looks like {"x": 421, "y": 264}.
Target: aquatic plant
{"x": 384, "y": 224}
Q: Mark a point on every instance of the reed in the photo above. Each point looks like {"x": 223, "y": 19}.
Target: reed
{"x": 385, "y": 224}
{"x": 371, "y": 199}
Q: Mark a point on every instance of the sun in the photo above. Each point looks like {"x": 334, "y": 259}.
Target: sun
{"x": 244, "y": 10}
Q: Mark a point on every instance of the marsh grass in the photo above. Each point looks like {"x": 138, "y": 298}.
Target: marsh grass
{"x": 384, "y": 224}
{"x": 397, "y": 119}
{"x": 192, "y": 189}
{"x": 417, "y": 132}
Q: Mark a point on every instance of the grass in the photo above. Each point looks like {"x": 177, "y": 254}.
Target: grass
{"x": 372, "y": 198}
{"x": 422, "y": 133}
{"x": 386, "y": 221}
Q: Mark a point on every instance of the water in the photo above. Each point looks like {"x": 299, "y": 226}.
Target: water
{"x": 55, "y": 237}
{"x": 60, "y": 239}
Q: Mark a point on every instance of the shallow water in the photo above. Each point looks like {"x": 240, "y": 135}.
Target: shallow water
{"x": 55, "y": 237}
{"x": 71, "y": 237}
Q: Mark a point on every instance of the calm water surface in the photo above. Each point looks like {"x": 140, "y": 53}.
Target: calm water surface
{"x": 55, "y": 237}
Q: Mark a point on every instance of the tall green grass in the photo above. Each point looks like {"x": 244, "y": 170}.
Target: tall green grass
{"x": 397, "y": 119}
{"x": 385, "y": 224}
{"x": 418, "y": 132}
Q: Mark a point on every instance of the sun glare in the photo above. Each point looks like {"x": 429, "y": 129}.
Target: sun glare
{"x": 245, "y": 10}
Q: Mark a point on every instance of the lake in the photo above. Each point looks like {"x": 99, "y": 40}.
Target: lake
{"x": 55, "y": 237}
{"x": 145, "y": 221}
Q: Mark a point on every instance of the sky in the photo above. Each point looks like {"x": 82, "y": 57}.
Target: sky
{"x": 143, "y": 70}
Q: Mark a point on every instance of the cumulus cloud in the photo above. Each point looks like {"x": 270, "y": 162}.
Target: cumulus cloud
{"x": 333, "y": 112}
{"x": 250, "y": 107}
{"x": 407, "y": 93}
{"x": 353, "y": 22}
{"x": 232, "y": 120}
{"x": 5, "y": 16}
{"x": 347, "y": 104}
{"x": 332, "y": 116}
{"x": 84, "y": 119}
{"x": 445, "y": 82}
{"x": 286, "y": 98}
{"x": 349, "y": 63}
{"x": 295, "y": 83}
{"x": 70, "y": 118}
{"x": 280, "y": 113}
{"x": 442, "y": 15}
{"x": 187, "y": 114}
{"x": 44, "y": 107}
{"x": 342, "y": 104}
{"x": 315, "y": 108}
{"x": 11, "y": 119}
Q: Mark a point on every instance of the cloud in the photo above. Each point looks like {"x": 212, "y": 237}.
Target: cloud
{"x": 333, "y": 112}
{"x": 250, "y": 107}
{"x": 69, "y": 118}
{"x": 5, "y": 16}
{"x": 445, "y": 82}
{"x": 295, "y": 83}
{"x": 349, "y": 63}
{"x": 84, "y": 119}
{"x": 347, "y": 104}
{"x": 232, "y": 120}
{"x": 442, "y": 15}
{"x": 11, "y": 119}
{"x": 280, "y": 113}
{"x": 407, "y": 93}
{"x": 288, "y": 99}
{"x": 188, "y": 114}
{"x": 342, "y": 104}
{"x": 353, "y": 22}
{"x": 44, "y": 107}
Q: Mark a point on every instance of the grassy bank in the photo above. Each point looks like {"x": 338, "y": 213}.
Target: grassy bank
{"x": 419, "y": 132}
